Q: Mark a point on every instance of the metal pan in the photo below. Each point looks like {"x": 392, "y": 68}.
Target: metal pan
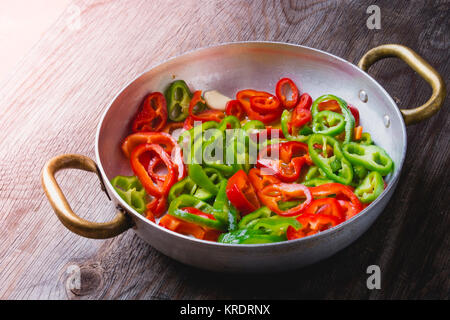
{"x": 230, "y": 67}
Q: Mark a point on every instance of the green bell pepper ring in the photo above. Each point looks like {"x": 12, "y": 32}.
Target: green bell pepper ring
{"x": 183, "y": 201}
{"x": 348, "y": 116}
{"x": 276, "y": 225}
{"x": 328, "y": 122}
{"x": 371, "y": 157}
{"x": 224, "y": 211}
{"x": 335, "y": 167}
{"x": 187, "y": 186}
{"x": 178, "y": 97}
{"x": 317, "y": 182}
{"x": 371, "y": 187}
{"x": 208, "y": 178}
{"x": 246, "y": 236}
{"x": 285, "y": 119}
{"x": 131, "y": 191}
{"x": 251, "y": 218}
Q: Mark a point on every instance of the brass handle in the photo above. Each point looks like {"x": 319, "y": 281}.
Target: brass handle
{"x": 58, "y": 201}
{"x": 418, "y": 64}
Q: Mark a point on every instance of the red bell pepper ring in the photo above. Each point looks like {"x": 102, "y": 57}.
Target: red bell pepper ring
{"x": 344, "y": 194}
{"x": 156, "y": 207}
{"x": 265, "y": 104}
{"x": 260, "y": 181}
{"x": 302, "y": 112}
{"x": 171, "y": 126}
{"x": 292, "y": 156}
{"x": 152, "y": 115}
{"x": 188, "y": 228}
{"x": 281, "y": 93}
{"x": 326, "y": 206}
{"x": 151, "y": 185}
{"x": 234, "y": 108}
{"x": 165, "y": 140}
{"x": 283, "y": 192}
{"x": 208, "y": 115}
{"x": 244, "y": 97}
{"x": 311, "y": 224}
{"x": 241, "y": 194}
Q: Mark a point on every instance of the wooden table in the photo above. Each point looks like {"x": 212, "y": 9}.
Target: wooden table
{"x": 52, "y": 104}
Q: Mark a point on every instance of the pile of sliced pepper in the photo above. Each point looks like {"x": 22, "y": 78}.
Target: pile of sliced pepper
{"x": 292, "y": 168}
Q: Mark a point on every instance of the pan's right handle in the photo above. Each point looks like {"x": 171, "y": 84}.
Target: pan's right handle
{"x": 62, "y": 208}
{"x": 418, "y": 64}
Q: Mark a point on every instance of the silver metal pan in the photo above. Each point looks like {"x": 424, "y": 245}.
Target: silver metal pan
{"x": 229, "y": 68}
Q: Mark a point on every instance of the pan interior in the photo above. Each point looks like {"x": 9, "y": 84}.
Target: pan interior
{"x": 232, "y": 67}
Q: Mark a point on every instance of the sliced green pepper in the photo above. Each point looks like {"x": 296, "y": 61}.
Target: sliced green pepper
{"x": 328, "y": 122}
{"x": 178, "y": 97}
{"x": 371, "y": 187}
{"x": 251, "y": 218}
{"x": 276, "y": 225}
{"x": 366, "y": 139}
{"x": 246, "y": 236}
{"x": 285, "y": 119}
{"x": 348, "y": 116}
{"x": 183, "y": 201}
{"x": 187, "y": 186}
{"x": 317, "y": 182}
{"x": 224, "y": 211}
{"x": 207, "y": 178}
{"x": 371, "y": 157}
{"x": 336, "y": 167}
{"x": 131, "y": 191}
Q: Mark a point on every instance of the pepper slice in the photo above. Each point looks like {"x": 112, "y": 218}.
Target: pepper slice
{"x": 153, "y": 186}
{"x": 344, "y": 194}
{"x": 273, "y": 195}
{"x": 244, "y": 98}
{"x": 328, "y": 102}
{"x": 187, "y": 186}
{"x": 178, "y": 97}
{"x": 311, "y": 224}
{"x": 152, "y": 116}
{"x": 265, "y": 104}
{"x": 207, "y": 115}
{"x": 371, "y": 187}
{"x": 241, "y": 194}
{"x": 280, "y": 92}
{"x": 246, "y": 236}
{"x": 234, "y": 108}
{"x": 208, "y": 178}
{"x": 131, "y": 191}
{"x": 369, "y": 156}
{"x": 188, "y": 228}
{"x": 336, "y": 167}
{"x": 276, "y": 225}
{"x": 156, "y": 208}
{"x": 326, "y": 206}
{"x": 251, "y": 218}
{"x": 328, "y": 122}
{"x": 224, "y": 211}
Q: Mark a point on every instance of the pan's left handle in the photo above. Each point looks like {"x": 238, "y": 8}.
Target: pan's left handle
{"x": 418, "y": 64}
{"x": 82, "y": 227}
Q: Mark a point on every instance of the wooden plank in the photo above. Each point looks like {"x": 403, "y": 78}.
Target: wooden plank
{"x": 53, "y": 101}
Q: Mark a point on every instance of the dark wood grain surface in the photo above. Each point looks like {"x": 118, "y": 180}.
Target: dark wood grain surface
{"x": 52, "y": 104}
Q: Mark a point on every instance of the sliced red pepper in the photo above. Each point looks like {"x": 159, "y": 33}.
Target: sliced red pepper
{"x": 151, "y": 185}
{"x": 156, "y": 207}
{"x": 280, "y": 92}
{"x": 166, "y": 141}
{"x": 272, "y": 195}
{"x": 302, "y": 112}
{"x": 265, "y": 104}
{"x": 188, "y": 228}
{"x": 344, "y": 194}
{"x": 234, "y": 108}
{"x": 152, "y": 115}
{"x": 244, "y": 98}
{"x": 292, "y": 155}
{"x": 208, "y": 115}
{"x": 311, "y": 224}
{"x": 330, "y": 105}
{"x": 327, "y": 206}
{"x": 171, "y": 126}
{"x": 260, "y": 181}
{"x": 241, "y": 194}
{"x": 199, "y": 213}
